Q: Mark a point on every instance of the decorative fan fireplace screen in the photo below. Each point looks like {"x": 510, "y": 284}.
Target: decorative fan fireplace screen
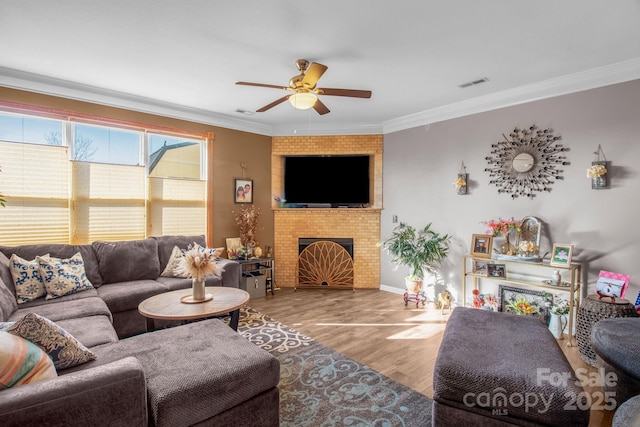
{"x": 325, "y": 264}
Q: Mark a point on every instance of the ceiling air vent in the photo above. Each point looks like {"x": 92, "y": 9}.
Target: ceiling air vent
{"x": 473, "y": 83}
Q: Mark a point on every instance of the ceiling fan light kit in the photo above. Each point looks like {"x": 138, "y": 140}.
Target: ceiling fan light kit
{"x": 305, "y": 93}
{"x": 303, "y": 100}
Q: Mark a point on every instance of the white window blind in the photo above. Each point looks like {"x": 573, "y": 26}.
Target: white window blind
{"x": 35, "y": 182}
{"x": 177, "y": 206}
{"x": 108, "y": 202}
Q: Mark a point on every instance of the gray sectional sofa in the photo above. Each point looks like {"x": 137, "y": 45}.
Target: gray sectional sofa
{"x": 200, "y": 373}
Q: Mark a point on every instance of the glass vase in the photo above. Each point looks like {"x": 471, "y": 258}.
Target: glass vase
{"x": 507, "y": 248}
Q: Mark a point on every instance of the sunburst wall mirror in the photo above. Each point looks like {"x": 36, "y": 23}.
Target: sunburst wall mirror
{"x": 526, "y": 162}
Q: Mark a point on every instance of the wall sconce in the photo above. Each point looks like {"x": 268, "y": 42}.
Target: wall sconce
{"x": 461, "y": 181}
{"x": 598, "y": 171}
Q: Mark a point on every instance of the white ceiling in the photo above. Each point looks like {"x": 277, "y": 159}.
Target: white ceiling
{"x": 182, "y": 59}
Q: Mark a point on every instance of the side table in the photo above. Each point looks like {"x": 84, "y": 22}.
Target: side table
{"x": 591, "y": 311}
{"x": 261, "y": 265}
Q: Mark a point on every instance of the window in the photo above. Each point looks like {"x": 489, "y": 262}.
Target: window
{"x": 105, "y": 192}
{"x": 30, "y": 130}
{"x": 175, "y": 158}
{"x": 177, "y": 192}
{"x": 106, "y": 145}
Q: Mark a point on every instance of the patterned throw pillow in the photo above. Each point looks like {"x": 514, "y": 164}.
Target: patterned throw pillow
{"x": 26, "y": 278}
{"x": 63, "y": 276}
{"x": 171, "y": 270}
{"x": 61, "y": 346}
{"x": 22, "y": 362}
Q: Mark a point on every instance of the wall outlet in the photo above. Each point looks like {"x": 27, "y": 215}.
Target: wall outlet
{"x": 394, "y": 218}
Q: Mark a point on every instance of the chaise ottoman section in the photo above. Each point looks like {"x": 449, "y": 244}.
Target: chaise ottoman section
{"x": 500, "y": 369}
{"x": 199, "y": 371}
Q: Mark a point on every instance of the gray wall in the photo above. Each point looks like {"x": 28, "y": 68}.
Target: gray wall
{"x": 420, "y": 165}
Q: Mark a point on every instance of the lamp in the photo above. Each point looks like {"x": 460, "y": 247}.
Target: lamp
{"x": 303, "y": 100}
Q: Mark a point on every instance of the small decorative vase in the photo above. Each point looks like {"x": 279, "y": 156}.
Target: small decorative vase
{"x": 507, "y": 248}
{"x": 556, "y": 279}
{"x": 557, "y": 324}
{"x": 198, "y": 289}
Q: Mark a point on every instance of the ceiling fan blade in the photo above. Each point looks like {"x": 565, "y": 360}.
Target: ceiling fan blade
{"x": 320, "y": 107}
{"x": 313, "y": 74}
{"x": 273, "y": 104}
{"x": 262, "y": 85}
{"x": 353, "y": 93}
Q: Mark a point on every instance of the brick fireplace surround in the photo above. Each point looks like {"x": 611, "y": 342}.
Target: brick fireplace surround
{"x": 360, "y": 224}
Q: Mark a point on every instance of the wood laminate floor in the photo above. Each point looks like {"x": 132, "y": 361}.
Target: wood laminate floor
{"x": 375, "y": 328}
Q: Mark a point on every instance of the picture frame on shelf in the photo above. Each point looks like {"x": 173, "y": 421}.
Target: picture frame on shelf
{"x": 532, "y": 303}
{"x": 481, "y": 245}
{"x": 233, "y": 246}
{"x": 612, "y": 285}
{"x": 242, "y": 190}
{"x": 496, "y": 270}
{"x": 479, "y": 268}
{"x": 561, "y": 255}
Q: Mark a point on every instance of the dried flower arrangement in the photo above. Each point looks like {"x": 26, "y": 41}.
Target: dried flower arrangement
{"x": 247, "y": 220}
{"x": 198, "y": 262}
{"x": 596, "y": 171}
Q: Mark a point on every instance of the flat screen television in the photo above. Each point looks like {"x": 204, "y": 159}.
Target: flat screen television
{"x": 332, "y": 180}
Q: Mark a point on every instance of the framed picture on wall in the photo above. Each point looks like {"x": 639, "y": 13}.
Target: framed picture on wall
{"x": 481, "y": 245}
{"x": 243, "y": 190}
{"x": 561, "y": 255}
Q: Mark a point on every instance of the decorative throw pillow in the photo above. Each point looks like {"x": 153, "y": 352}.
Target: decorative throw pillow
{"x": 217, "y": 252}
{"x": 26, "y": 278}
{"x": 63, "y": 276}
{"x": 22, "y": 362}
{"x": 60, "y": 345}
{"x": 171, "y": 270}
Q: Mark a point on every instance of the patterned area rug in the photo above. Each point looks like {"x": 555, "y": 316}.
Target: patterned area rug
{"x": 321, "y": 387}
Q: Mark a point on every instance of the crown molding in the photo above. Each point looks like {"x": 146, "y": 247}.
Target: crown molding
{"x": 585, "y": 80}
{"x": 332, "y": 129}
{"x": 55, "y": 87}
{"x": 577, "y": 82}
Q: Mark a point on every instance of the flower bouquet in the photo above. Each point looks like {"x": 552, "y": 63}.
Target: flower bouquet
{"x": 197, "y": 262}
{"x": 504, "y": 227}
{"x": 596, "y": 171}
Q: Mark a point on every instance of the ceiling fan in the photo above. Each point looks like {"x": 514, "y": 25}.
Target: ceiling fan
{"x": 305, "y": 93}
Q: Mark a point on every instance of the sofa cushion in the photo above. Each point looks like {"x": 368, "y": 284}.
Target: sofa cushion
{"x": 63, "y": 276}
{"x": 128, "y": 295}
{"x": 22, "y": 362}
{"x": 67, "y": 308}
{"x": 26, "y": 278}
{"x": 8, "y": 304}
{"x": 61, "y": 346}
{"x": 175, "y": 283}
{"x": 60, "y": 250}
{"x": 128, "y": 260}
{"x": 90, "y": 331}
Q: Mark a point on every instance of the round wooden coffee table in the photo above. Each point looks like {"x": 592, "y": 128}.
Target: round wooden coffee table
{"x": 169, "y": 306}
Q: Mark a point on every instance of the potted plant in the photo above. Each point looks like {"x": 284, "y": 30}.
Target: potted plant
{"x": 420, "y": 250}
